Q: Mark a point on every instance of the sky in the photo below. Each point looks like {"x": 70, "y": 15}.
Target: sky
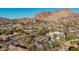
{"x": 13, "y": 13}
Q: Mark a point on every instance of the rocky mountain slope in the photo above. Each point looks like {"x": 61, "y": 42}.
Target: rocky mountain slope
{"x": 47, "y": 31}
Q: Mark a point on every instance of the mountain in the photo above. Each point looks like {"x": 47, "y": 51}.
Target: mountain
{"x": 58, "y": 17}
{"x": 4, "y": 20}
{"x": 48, "y": 16}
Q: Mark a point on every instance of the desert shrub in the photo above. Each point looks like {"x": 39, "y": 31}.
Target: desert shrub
{"x": 8, "y": 32}
{"x": 73, "y": 49}
{"x": 2, "y": 31}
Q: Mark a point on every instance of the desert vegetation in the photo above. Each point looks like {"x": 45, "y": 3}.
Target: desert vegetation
{"x": 52, "y": 31}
